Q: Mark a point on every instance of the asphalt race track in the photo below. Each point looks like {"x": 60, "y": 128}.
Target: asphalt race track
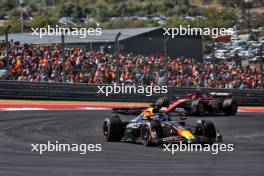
{"x": 18, "y": 129}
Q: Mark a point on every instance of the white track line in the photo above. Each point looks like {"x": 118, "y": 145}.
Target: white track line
{"x": 40, "y": 109}
{"x": 89, "y": 108}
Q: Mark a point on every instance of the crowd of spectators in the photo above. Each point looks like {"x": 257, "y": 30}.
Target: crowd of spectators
{"x": 44, "y": 63}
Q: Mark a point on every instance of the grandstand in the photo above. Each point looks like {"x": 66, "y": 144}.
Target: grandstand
{"x": 144, "y": 59}
{"x": 44, "y": 63}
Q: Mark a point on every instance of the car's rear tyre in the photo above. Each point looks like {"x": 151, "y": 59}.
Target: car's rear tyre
{"x": 230, "y": 107}
{"x": 113, "y": 129}
{"x": 206, "y": 129}
{"x": 198, "y": 108}
{"x": 163, "y": 102}
{"x": 146, "y": 133}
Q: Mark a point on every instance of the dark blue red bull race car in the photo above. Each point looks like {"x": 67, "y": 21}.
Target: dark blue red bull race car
{"x": 153, "y": 128}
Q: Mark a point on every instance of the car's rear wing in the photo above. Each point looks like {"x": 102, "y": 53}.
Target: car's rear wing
{"x": 220, "y": 94}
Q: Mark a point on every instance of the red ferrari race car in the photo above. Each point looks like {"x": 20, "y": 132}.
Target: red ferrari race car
{"x": 194, "y": 104}
{"x": 200, "y": 104}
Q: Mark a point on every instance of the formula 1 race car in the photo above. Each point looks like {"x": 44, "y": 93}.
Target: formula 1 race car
{"x": 199, "y": 104}
{"x": 194, "y": 104}
{"x": 159, "y": 129}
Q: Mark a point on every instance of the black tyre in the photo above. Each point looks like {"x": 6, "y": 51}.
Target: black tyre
{"x": 230, "y": 107}
{"x": 147, "y": 130}
{"x": 163, "y": 102}
{"x": 199, "y": 107}
{"x": 113, "y": 129}
{"x": 206, "y": 129}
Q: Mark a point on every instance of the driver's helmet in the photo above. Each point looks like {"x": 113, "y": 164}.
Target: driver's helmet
{"x": 148, "y": 113}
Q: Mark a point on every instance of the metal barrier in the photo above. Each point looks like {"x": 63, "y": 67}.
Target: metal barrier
{"x": 66, "y": 91}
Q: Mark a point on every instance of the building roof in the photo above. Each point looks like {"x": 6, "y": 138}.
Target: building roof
{"x": 108, "y": 35}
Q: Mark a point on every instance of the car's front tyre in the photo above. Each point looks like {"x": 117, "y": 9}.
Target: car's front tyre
{"x": 150, "y": 133}
{"x": 113, "y": 129}
{"x": 206, "y": 129}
